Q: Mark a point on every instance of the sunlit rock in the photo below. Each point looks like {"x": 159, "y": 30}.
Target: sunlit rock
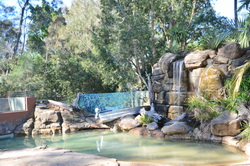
{"x": 176, "y": 128}
{"x": 211, "y": 80}
{"x": 196, "y": 59}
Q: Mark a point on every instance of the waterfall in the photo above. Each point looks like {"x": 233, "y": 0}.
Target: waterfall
{"x": 177, "y": 78}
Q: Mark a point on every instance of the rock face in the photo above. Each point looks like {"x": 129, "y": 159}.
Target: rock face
{"x": 28, "y": 126}
{"x": 47, "y": 121}
{"x": 175, "y": 111}
{"x": 165, "y": 63}
{"x": 164, "y": 74}
{"x": 230, "y": 50}
{"x": 223, "y": 125}
{"x": 56, "y": 120}
{"x": 197, "y": 59}
{"x": 176, "y": 128}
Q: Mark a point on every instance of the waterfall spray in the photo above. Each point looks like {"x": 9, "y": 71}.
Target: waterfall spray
{"x": 177, "y": 78}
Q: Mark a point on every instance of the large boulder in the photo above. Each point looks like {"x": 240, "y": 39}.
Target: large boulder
{"x": 240, "y": 61}
{"x": 127, "y": 123}
{"x": 231, "y": 51}
{"x": 220, "y": 60}
{"x": 152, "y": 126}
{"x": 211, "y": 81}
{"x": 197, "y": 59}
{"x": 176, "y": 128}
{"x": 28, "y": 126}
{"x": 166, "y": 63}
{"x": 225, "y": 125}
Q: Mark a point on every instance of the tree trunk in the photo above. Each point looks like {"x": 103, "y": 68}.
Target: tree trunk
{"x": 153, "y": 33}
{"x": 20, "y": 27}
{"x": 193, "y": 12}
{"x": 235, "y": 14}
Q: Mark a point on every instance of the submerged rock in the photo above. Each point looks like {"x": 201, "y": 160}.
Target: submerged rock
{"x": 140, "y": 131}
{"x": 157, "y": 134}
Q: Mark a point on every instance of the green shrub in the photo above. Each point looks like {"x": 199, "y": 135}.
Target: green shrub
{"x": 204, "y": 109}
{"x": 145, "y": 119}
{"x": 246, "y": 132}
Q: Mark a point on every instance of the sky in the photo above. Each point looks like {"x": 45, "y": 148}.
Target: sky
{"x": 222, "y": 7}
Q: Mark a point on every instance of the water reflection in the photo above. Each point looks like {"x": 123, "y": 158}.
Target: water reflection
{"x": 132, "y": 148}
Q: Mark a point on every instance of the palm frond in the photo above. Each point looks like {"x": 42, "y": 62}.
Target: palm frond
{"x": 237, "y": 78}
{"x": 244, "y": 4}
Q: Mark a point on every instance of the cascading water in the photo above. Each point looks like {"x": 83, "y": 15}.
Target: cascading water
{"x": 177, "y": 78}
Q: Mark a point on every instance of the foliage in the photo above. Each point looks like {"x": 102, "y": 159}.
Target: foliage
{"x": 246, "y": 132}
{"x": 145, "y": 119}
{"x": 25, "y": 75}
{"x": 240, "y": 34}
{"x": 204, "y": 109}
{"x": 228, "y": 103}
{"x": 41, "y": 17}
{"x": 101, "y": 46}
{"x": 8, "y": 30}
{"x": 239, "y": 80}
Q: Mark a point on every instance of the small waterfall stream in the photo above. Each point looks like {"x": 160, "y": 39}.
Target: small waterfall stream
{"x": 177, "y": 78}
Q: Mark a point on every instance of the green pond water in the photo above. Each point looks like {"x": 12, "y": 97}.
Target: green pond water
{"x": 128, "y": 147}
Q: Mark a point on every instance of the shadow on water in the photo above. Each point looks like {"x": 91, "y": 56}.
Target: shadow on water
{"x": 129, "y": 147}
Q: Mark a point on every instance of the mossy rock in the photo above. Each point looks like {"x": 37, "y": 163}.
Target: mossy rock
{"x": 211, "y": 81}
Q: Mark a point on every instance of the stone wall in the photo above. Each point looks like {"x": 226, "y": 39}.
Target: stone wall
{"x": 203, "y": 73}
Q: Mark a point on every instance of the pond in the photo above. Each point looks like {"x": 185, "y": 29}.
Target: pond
{"x": 127, "y": 147}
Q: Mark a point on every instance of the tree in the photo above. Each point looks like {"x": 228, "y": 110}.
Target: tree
{"x": 236, "y": 13}
{"x": 23, "y": 8}
{"x": 41, "y": 17}
{"x": 8, "y": 32}
{"x": 244, "y": 4}
{"x": 71, "y": 67}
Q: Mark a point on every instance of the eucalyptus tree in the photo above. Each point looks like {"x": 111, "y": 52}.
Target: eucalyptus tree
{"x": 8, "y": 33}
{"x": 71, "y": 67}
{"x": 41, "y": 17}
{"x": 23, "y": 5}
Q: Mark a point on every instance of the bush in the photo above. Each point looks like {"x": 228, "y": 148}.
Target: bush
{"x": 246, "y": 132}
{"x": 203, "y": 108}
{"x": 145, "y": 119}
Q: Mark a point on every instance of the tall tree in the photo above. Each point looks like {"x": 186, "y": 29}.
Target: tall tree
{"x": 8, "y": 35}
{"x": 236, "y": 13}
{"x": 41, "y": 17}
{"x": 23, "y": 8}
